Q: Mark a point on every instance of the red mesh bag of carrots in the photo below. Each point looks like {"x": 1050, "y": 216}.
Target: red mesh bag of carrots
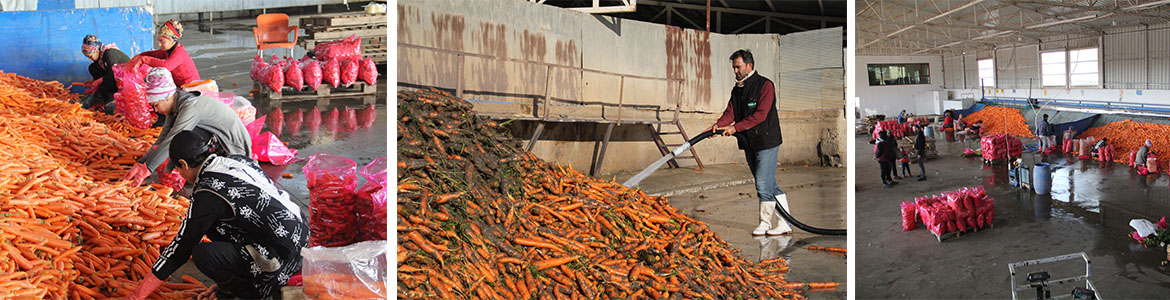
{"x": 331, "y": 72}
{"x": 173, "y": 179}
{"x": 349, "y": 48}
{"x": 311, "y": 72}
{"x": 130, "y": 100}
{"x": 331, "y": 180}
{"x": 293, "y": 75}
{"x": 269, "y": 74}
{"x": 368, "y": 71}
{"x": 356, "y": 271}
{"x": 349, "y": 72}
{"x": 909, "y": 213}
{"x": 372, "y": 199}
{"x": 295, "y": 120}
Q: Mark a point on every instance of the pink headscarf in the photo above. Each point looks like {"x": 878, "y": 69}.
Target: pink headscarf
{"x": 159, "y": 85}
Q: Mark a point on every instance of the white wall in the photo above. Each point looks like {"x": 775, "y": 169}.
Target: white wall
{"x": 890, "y": 100}
{"x": 1112, "y": 95}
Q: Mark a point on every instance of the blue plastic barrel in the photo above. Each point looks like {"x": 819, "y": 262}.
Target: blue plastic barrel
{"x": 1041, "y": 179}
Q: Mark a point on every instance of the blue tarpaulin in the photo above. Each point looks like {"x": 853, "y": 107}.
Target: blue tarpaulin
{"x": 1077, "y": 126}
{"x": 46, "y": 44}
{"x": 970, "y": 110}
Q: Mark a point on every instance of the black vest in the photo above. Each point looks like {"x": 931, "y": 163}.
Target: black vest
{"x": 744, "y": 101}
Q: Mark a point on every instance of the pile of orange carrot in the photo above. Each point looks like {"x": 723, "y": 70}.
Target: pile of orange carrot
{"x": 67, "y": 230}
{"x": 1126, "y": 136}
{"x": 478, "y": 217}
{"x": 998, "y": 119}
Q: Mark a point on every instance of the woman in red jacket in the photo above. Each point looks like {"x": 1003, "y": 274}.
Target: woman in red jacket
{"x": 171, "y": 55}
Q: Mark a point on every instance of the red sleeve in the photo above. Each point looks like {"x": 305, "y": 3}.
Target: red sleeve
{"x": 154, "y": 54}
{"x": 170, "y": 62}
{"x": 767, "y": 96}
{"x": 727, "y": 117}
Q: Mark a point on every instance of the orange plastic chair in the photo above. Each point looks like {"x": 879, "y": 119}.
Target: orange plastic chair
{"x": 272, "y": 32}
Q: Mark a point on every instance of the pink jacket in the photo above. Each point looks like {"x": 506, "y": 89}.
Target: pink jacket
{"x": 177, "y": 61}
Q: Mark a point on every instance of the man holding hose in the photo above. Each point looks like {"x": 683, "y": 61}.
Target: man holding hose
{"x": 752, "y": 118}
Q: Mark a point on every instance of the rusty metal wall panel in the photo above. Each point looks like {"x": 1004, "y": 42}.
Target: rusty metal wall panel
{"x": 688, "y": 57}
{"x": 1124, "y": 60}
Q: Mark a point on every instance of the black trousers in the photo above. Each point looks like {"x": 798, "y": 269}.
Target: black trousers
{"x": 922, "y": 163}
{"x": 221, "y": 261}
{"x": 886, "y": 178}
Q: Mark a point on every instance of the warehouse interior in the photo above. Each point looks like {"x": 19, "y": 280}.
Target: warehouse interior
{"x": 609, "y": 88}
{"x": 1099, "y": 69}
{"x": 221, "y": 40}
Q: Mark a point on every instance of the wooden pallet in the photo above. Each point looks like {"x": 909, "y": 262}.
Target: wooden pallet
{"x": 266, "y": 99}
{"x": 958, "y": 234}
{"x": 342, "y": 19}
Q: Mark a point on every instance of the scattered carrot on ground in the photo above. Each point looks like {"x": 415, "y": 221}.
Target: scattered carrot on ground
{"x": 841, "y": 251}
{"x": 480, "y": 217}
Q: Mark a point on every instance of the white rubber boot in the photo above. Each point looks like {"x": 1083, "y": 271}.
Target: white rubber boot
{"x": 780, "y": 226}
{"x": 767, "y": 212}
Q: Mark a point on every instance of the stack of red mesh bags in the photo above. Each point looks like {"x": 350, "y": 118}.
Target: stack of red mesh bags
{"x": 952, "y": 211}
{"x": 1001, "y": 146}
{"x": 896, "y": 129}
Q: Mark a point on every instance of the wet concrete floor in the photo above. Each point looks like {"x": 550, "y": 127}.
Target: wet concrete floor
{"x": 224, "y": 52}
{"x": 724, "y": 197}
{"x": 1087, "y": 211}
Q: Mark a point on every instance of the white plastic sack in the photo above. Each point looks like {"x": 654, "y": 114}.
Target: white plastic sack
{"x": 1143, "y": 227}
{"x": 357, "y": 271}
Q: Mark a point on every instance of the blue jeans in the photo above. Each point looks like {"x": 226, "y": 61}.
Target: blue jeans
{"x": 763, "y": 165}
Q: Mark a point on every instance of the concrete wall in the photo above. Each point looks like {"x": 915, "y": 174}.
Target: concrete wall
{"x": 46, "y": 45}
{"x": 890, "y": 100}
{"x": 690, "y": 67}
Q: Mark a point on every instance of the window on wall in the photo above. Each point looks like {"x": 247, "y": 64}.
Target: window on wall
{"x": 987, "y": 72}
{"x": 1083, "y": 69}
{"x": 898, "y": 74}
{"x": 1053, "y": 69}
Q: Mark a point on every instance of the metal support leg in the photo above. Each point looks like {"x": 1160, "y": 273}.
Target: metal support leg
{"x": 535, "y": 136}
{"x": 601, "y": 155}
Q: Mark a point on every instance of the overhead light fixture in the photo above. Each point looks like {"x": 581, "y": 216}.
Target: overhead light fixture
{"x": 1057, "y": 22}
{"x": 943, "y": 46}
{"x": 992, "y": 35}
{"x": 1146, "y": 5}
{"x": 953, "y": 10}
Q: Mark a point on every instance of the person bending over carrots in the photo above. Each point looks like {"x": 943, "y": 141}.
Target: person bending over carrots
{"x": 1142, "y": 154}
{"x": 186, "y": 111}
{"x": 100, "y": 90}
{"x": 256, "y": 231}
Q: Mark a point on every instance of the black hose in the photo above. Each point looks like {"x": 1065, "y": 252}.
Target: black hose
{"x": 783, "y": 213}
